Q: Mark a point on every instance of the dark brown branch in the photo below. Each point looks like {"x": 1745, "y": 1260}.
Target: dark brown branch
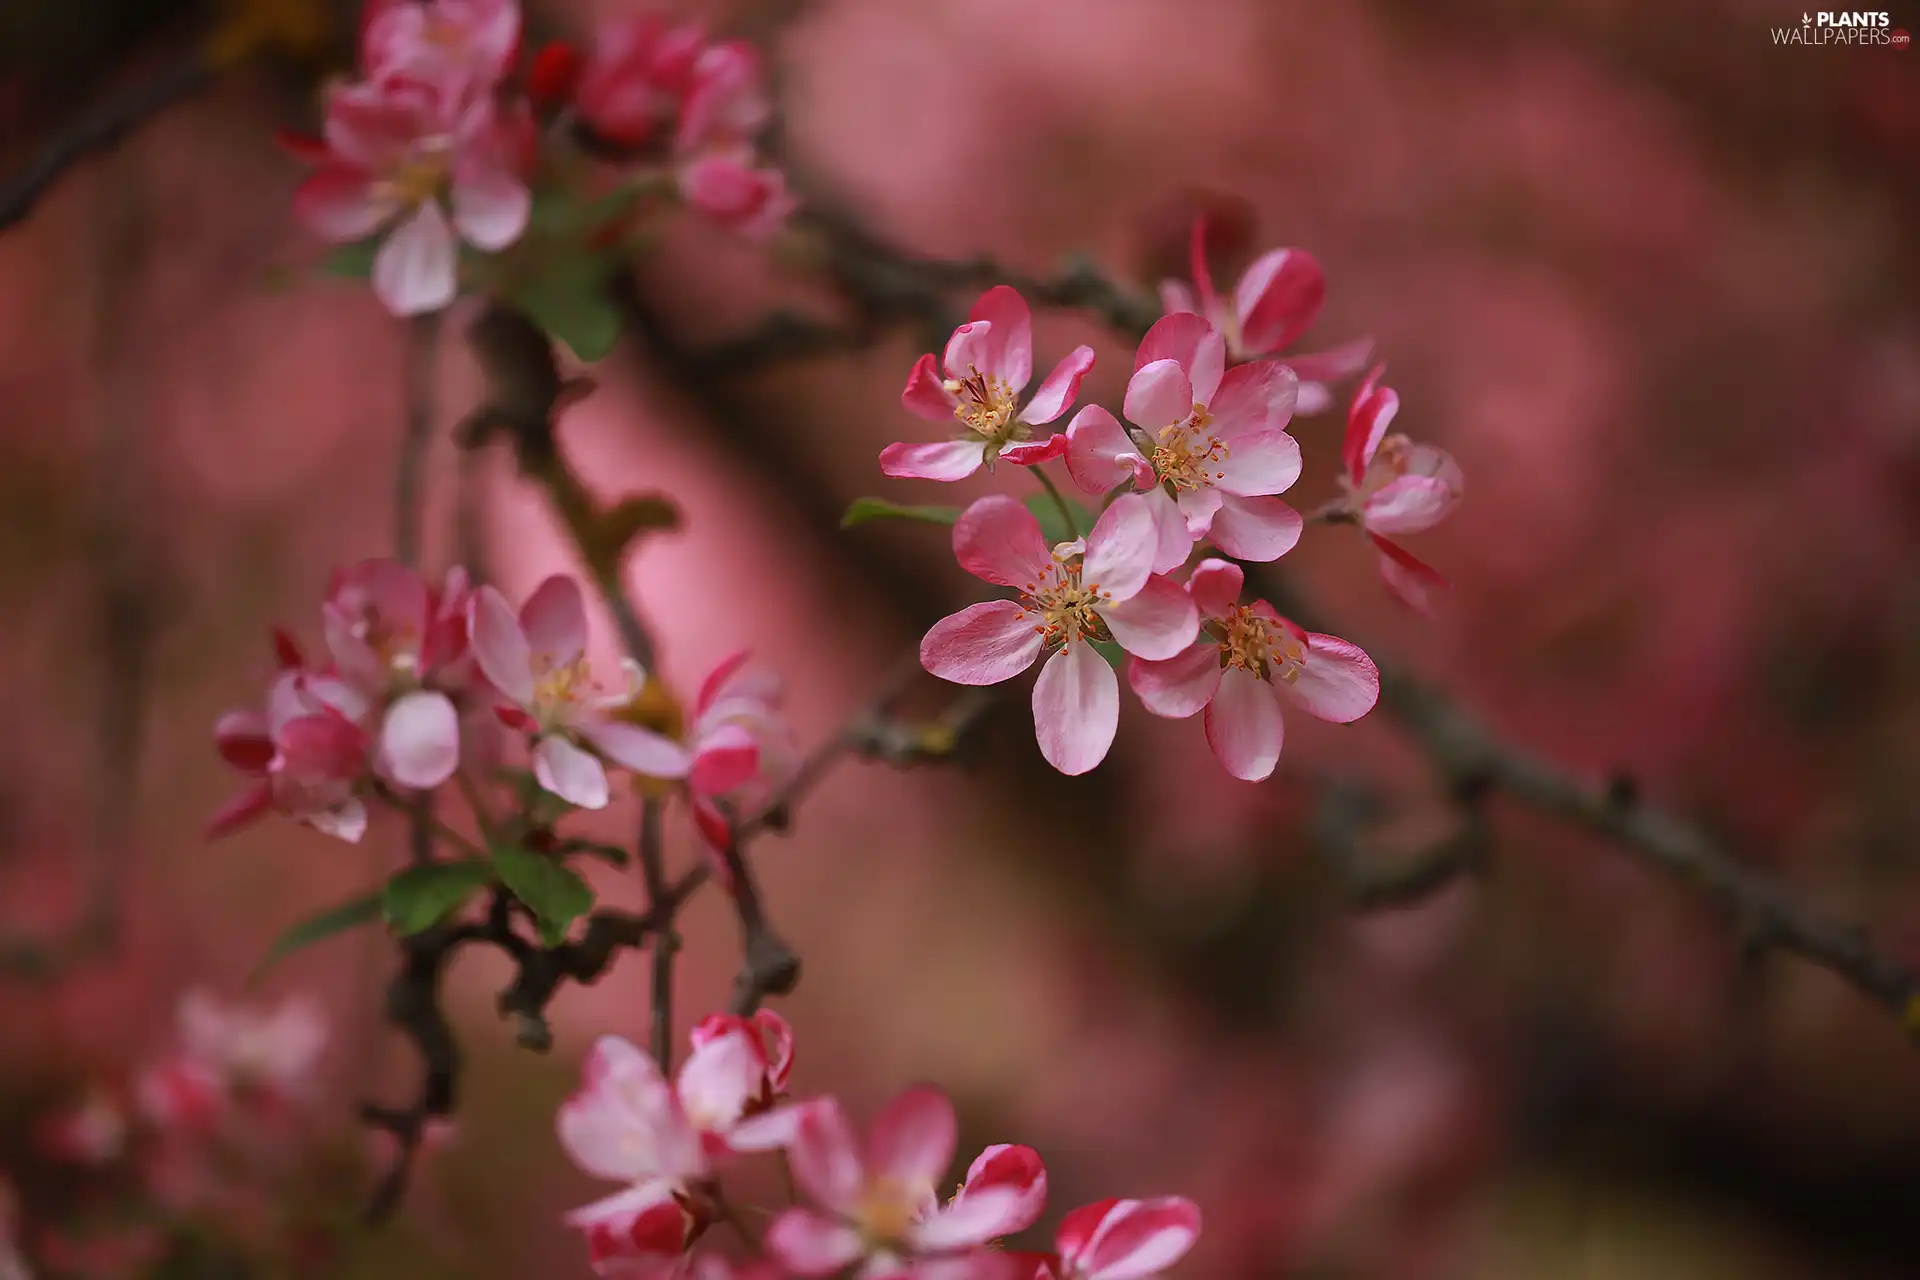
{"x": 96, "y": 130}
{"x": 653, "y": 870}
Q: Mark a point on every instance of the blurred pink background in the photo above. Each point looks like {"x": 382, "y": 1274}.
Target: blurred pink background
{"x": 1649, "y": 276}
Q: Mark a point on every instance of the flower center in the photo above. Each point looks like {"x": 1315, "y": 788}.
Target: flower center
{"x": 396, "y": 645}
{"x": 889, "y": 1208}
{"x": 1188, "y": 455}
{"x": 986, "y": 405}
{"x": 557, "y": 686}
{"x": 1066, "y": 605}
{"x": 418, "y": 178}
{"x": 1259, "y": 644}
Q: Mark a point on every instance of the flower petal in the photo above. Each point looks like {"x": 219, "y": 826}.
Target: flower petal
{"x": 1193, "y": 343}
{"x": 1253, "y": 397}
{"x": 983, "y": 643}
{"x": 416, "y": 269}
{"x": 1333, "y": 364}
{"x": 940, "y": 460}
{"x": 554, "y": 620}
{"x": 1010, "y": 1167}
{"x": 1337, "y": 682}
{"x": 1215, "y": 586}
{"x": 420, "y": 740}
{"x": 339, "y": 204}
{"x": 826, "y": 1158}
{"x": 1076, "y": 709}
{"x": 1007, "y": 352}
{"x": 913, "y": 1138}
{"x": 243, "y": 741}
{"x": 1173, "y": 526}
{"x": 1100, "y": 454}
{"x": 1259, "y": 529}
{"x": 1374, "y": 407}
{"x": 998, "y": 540}
{"x": 1121, "y": 549}
{"x": 1159, "y": 395}
{"x": 1031, "y": 453}
{"x": 724, "y": 759}
{"x": 608, "y": 1127}
{"x": 1060, "y": 388}
{"x": 925, "y": 395}
{"x": 1260, "y": 462}
{"x": 1157, "y": 622}
{"x": 1278, "y": 299}
{"x": 500, "y": 646}
{"x": 574, "y": 775}
{"x": 1181, "y": 685}
{"x": 809, "y": 1245}
{"x": 1408, "y": 505}
{"x": 1408, "y": 578}
{"x": 1243, "y": 725}
{"x": 490, "y": 208}
{"x": 1133, "y": 1239}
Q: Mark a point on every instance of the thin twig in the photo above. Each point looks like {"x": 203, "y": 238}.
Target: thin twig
{"x": 653, "y": 870}
{"x": 97, "y": 129}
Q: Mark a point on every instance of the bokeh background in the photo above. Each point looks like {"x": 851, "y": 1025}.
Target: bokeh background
{"x": 1648, "y": 275}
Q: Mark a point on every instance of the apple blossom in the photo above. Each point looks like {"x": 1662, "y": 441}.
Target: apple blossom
{"x": 537, "y": 661}
{"x": 424, "y": 172}
{"x": 636, "y": 78}
{"x": 1393, "y": 487}
{"x": 733, "y": 190}
{"x": 1120, "y": 1240}
{"x": 879, "y": 1204}
{"x": 1098, "y": 588}
{"x": 726, "y": 102}
{"x": 1213, "y": 447}
{"x": 988, "y": 363}
{"x": 458, "y": 48}
{"x": 1276, "y": 299}
{"x": 1246, "y": 662}
{"x": 628, "y": 1123}
{"x": 743, "y": 749}
{"x": 308, "y": 751}
{"x": 93, "y": 1132}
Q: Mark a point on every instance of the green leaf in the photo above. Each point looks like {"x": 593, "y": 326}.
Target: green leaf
{"x": 555, "y": 894}
{"x": 421, "y": 897}
{"x": 865, "y": 509}
{"x": 606, "y": 852}
{"x": 1052, "y": 527}
{"x": 316, "y": 928}
{"x": 570, "y": 300}
{"x": 351, "y": 261}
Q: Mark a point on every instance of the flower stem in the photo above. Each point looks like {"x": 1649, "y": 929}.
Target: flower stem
{"x": 1059, "y": 502}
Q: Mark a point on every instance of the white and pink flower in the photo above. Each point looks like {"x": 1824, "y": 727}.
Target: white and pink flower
{"x": 1395, "y": 487}
{"x": 732, "y": 188}
{"x": 1120, "y": 1240}
{"x": 636, "y": 79}
{"x": 878, "y": 1202}
{"x": 988, "y": 363}
{"x": 743, "y": 749}
{"x": 309, "y": 753}
{"x": 627, "y": 1123}
{"x": 231, "y": 1052}
{"x": 1275, "y": 300}
{"x": 94, "y": 1132}
{"x": 537, "y": 661}
{"x": 460, "y": 49}
{"x": 1098, "y": 588}
{"x": 1212, "y": 448}
{"x": 424, "y": 171}
{"x": 1246, "y": 663}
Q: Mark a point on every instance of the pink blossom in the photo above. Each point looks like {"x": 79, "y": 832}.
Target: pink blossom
{"x": 538, "y": 662}
{"x": 403, "y": 644}
{"x": 94, "y": 1132}
{"x": 742, "y": 746}
{"x": 1121, "y": 1240}
{"x": 1099, "y": 588}
{"x": 1246, "y": 662}
{"x": 733, "y": 190}
{"x": 458, "y": 48}
{"x": 627, "y": 1123}
{"x": 636, "y": 78}
{"x": 1394, "y": 487}
{"x": 878, "y": 1203}
{"x": 1276, "y": 300}
{"x": 308, "y": 751}
{"x": 425, "y": 173}
{"x": 726, "y": 102}
{"x": 1211, "y": 448}
{"x": 988, "y": 363}
{"x": 232, "y": 1052}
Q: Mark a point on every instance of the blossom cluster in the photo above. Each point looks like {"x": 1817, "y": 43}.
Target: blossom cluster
{"x": 205, "y": 1131}
{"x": 1199, "y": 462}
{"x": 870, "y": 1207}
{"x": 442, "y": 148}
{"x": 422, "y": 682}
